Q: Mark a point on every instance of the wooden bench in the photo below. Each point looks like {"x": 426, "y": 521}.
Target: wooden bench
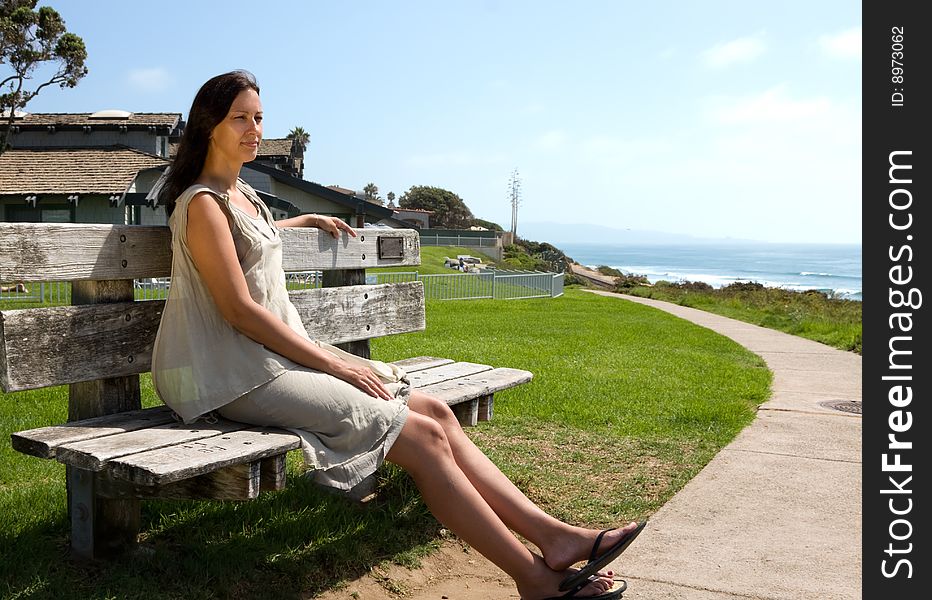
{"x": 117, "y": 453}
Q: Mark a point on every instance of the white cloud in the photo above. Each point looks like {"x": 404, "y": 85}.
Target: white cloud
{"x": 156, "y": 79}
{"x": 846, "y": 44}
{"x": 741, "y": 50}
{"x": 772, "y": 105}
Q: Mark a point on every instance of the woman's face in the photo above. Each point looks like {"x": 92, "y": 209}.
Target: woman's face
{"x": 237, "y": 137}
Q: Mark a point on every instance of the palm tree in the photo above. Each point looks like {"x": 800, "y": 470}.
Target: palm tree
{"x": 371, "y": 192}
{"x": 301, "y": 136}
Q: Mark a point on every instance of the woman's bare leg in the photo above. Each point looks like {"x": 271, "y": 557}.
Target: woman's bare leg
{"x": 561, "y": 544}
{"x": 424, "y": 451}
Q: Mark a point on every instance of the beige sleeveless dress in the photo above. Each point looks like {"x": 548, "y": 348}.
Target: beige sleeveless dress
{"x": 200, "y": 363}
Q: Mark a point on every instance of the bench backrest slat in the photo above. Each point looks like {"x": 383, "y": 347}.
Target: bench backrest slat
{"x": 40, "y": 347}
{"x": 68, "y": 252}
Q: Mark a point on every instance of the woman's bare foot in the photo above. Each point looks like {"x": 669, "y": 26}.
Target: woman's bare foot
{"x": 576, "y": 545}
{"x": 544, "y": 582}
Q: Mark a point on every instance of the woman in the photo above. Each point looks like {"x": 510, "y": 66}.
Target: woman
{"x": 230, "y": 341}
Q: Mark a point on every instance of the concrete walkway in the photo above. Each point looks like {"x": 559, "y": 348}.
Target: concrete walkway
{"x": 777, "y": 513}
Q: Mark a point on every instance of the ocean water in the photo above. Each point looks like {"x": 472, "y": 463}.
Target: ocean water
{"x": 832, "y": 268}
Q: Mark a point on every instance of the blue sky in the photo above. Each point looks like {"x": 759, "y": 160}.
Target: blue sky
{"x": 716, "y": 118}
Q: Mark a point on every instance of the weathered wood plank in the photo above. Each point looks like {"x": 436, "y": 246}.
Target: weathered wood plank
{"x": 41, "y": 347}
{"x": 347, "y": 314}
{"x": 70, "y": 252}
{"x": 237, "y": 482}
{"x": 67, "y": 344}
{"x": 339, "y": 279}
{"x": 446, "y": 372}
{"x": 419, "y": 363}
{"x": 174, "y": 463}
{"x": 307, "y": 249}
{"x": 44, "y": 441}
{"x": 272, "y": 473}
{"x": 477, "y": 385}
{"x": 94, "y": 454}
{"x": 486, "y": 407}
{"x": 467, "y": 413}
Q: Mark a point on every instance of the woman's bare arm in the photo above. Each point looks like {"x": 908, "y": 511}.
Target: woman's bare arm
{"x": 214, "y": 253}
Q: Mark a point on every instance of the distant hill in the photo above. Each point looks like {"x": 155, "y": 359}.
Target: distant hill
{"x": 578, "y": 233}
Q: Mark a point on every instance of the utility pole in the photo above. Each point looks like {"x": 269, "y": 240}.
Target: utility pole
{"x": 514, "y": 193}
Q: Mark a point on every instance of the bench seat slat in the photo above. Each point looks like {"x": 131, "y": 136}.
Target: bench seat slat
{"x": 446, "y": 372}
{"x": 73, "y": 251}
{"x": 419, "y": 363}
{"x": 475, "y": 386}
{"x": 190, "y": 459}
{"x": 94, "y": 454}
{"x": 44, "y": 441}
{"x": 41, "y": 347}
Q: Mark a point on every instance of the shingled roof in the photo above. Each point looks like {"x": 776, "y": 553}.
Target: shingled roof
{"x": 267, "y": 147}
{"x": 100, "y": 170}
{"x": 133, "y": 121}
{"x": 275, "y": 147}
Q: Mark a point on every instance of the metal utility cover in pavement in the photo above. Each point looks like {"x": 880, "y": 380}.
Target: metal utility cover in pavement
{"x": 848, "y": 406}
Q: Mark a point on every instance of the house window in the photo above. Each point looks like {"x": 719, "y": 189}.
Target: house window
{"x": 39, "y": 214}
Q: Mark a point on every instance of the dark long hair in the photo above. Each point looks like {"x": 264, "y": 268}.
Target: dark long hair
{"x": 210, "y": 107}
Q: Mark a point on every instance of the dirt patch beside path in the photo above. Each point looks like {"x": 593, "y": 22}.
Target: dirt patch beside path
{"x": 455, "y": 572}
{"x": 604, "y": 281}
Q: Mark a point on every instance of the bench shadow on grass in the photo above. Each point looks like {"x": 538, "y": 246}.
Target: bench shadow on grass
{"x": 295, "y": 543}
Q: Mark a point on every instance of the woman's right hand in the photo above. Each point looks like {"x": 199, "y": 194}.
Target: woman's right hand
{"x": 363, "y": 378}
{"x": 333, "y": 226}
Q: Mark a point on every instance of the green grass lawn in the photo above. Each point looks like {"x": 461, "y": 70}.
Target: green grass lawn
{"x": 627, "y": 404}
{"x": 432, "y": 258}
{"x": 812, "y": 315}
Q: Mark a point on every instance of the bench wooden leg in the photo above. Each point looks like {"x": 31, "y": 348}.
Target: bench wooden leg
{"x": 272, "y": 474}
{"x": 467, "y": 412}
{"x": 100, "y": 527}
{"x": 485, "y": 407}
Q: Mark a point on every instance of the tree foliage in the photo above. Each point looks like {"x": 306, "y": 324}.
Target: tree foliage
{"x": 490, "y": 225}
{"x": 371, "y": 193}
{"x": 300, "y": 135}
{"x": 450, "y": 211}
{"x": 29, "y": 38}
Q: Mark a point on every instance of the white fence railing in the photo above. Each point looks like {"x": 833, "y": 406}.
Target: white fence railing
{"x": 463, "y": 241}
{"x": 500, "y": 285}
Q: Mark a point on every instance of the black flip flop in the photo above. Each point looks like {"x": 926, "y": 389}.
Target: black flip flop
{"x": 597, "y": 562}
{"x": 613, "y": 594}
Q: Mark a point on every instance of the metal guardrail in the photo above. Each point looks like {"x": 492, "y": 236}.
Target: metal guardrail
{"x": 497, "y": 284}
{"x": 54, "y": 292}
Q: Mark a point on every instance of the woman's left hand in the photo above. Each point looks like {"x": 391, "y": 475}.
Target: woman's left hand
{"x": 333, "y": 226}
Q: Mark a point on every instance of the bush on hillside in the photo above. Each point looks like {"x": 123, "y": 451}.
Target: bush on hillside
{"x": 628, "y": 281}
{"x": 610, "y": 271}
